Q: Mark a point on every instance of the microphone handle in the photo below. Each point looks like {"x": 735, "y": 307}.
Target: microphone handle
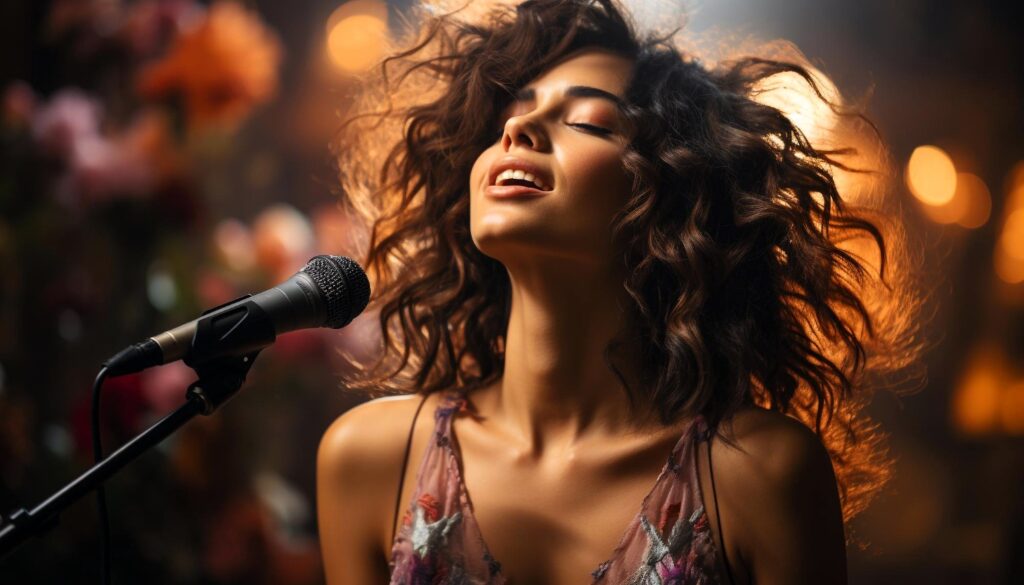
{"x": 236, "y": 327}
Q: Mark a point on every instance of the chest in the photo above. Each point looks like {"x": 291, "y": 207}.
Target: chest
{"x": 556, "y": 525}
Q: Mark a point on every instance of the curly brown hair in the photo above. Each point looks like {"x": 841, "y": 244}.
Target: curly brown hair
{"x": 751, "y": 276}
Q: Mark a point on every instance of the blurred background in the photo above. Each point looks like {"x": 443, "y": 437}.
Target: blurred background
{"x": 160, "y": 157}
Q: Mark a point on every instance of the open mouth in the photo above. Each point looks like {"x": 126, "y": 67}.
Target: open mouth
{"x": 514, "y": 177}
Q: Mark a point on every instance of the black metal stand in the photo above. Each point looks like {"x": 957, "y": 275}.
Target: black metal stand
{"x": 218, "y": 381}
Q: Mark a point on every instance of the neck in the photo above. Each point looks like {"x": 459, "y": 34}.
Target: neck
{"x": 558, "y": 388}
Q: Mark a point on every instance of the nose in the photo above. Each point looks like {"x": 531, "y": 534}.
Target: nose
{"x": 525, "y": 131}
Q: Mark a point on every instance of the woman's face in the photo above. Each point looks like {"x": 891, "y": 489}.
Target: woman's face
{"x": 565, "y": 125}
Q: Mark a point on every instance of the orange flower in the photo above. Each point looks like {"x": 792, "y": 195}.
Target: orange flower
{"x": 221, "y": 68}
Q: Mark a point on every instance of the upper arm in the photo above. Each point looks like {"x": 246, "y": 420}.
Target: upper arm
{"x": 780, "y": 492}
{"x": 358, "y": 465}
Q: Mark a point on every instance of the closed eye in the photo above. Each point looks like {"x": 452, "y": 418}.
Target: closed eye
{"x": 594, "y": 129}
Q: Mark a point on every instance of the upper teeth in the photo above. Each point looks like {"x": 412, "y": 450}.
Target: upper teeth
{"x": 522, "y": 175}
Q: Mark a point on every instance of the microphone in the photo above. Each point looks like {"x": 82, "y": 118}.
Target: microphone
{"x": 329, "y": 291}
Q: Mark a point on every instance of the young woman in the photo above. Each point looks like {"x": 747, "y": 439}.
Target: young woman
{"x": 613, "y": 282}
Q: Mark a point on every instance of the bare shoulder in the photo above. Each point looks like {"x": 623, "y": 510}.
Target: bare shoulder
{"x": 363, "y": 449}
{"x": 778, "y": 488}
{"x": 777, "y": 445}
{"x": 358, "y": 466}
{"x": 372, "y": 433}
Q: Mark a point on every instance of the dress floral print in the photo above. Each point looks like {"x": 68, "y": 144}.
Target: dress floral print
{"x": 439, "y": 542}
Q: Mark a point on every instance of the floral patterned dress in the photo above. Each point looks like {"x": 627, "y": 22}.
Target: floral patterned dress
{"x": 439, "y": 542}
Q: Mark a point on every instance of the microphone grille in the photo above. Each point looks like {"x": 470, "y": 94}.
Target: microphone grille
{"x": 344, "y": 285}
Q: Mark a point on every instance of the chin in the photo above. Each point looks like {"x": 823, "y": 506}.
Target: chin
{"x": 505, "y": 241}
{"x": 496, "y": 242}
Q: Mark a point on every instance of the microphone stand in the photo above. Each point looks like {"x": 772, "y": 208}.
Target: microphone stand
{"x": 219, "y": 380}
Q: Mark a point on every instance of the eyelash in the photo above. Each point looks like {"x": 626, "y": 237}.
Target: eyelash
{"x": 588, "y": 127}
{"x": 595, "y": 129}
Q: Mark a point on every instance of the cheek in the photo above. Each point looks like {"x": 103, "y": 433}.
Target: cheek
{"x": 596, "y": 178}
{"x": 476, "y": 174}
{"x": 484, "y": 216}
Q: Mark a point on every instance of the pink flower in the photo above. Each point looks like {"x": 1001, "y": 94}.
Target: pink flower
{"x": 103, "y": 168}
{"x": 71, "y": 116}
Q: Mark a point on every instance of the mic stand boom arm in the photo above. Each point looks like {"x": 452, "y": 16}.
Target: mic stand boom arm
{"x": 219, "y": 380}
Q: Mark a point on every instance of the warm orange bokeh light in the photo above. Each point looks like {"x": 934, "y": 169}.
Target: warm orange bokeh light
{"x": 931, "y": 175}
{"x": 1011, "y": 240}
{"x": 976, "y": 400}
{"x": 1015, "y": 181}
{"x": 978, "y": 200}
{"x": 1015, "y": 197}
{"x": 1012, "y": 408}
{"x": 951, "y": 211}
{"x": 1009, "y": 252}
{"x": 357, "y": 34}
{"x": 1007, "y": 269}
{"x": 970, "y": 205}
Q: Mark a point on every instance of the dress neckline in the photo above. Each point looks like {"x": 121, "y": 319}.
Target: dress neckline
{"x": 455, "y": 402}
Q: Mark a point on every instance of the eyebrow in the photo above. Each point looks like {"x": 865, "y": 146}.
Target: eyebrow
{"x": 527, "y": 94}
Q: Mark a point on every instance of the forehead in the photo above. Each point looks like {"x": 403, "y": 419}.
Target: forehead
{"x": 588, "y": 67}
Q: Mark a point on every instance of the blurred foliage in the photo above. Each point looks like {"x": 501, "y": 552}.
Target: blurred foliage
{"x": 117, "y": 222}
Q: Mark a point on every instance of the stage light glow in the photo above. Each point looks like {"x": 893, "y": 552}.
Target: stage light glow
{"x": 976, "y": 400}
{"x": 1007, "y": 269}
{"x": 791, "y": 94}
{"x": 1015, "y": 180}
{"x": 978, "y": 200}
{"x": 1012, "y": 238}
{"x": 969, "y": 207}
{"x": 1009, "y": 252}
{"x": 1012, "y": 410}
{"x": 931, "y": 175}
{"x": 357, "y": 34}
{"x": 1014, "y": 196}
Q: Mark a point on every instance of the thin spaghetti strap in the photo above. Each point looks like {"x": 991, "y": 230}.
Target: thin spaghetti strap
{"x": 405, "y": 461}
{"x": 718, "y": 516}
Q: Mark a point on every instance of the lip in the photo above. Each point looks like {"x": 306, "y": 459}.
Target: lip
{"x": 513, "y": 192}
{"x": 513, "y": 162}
